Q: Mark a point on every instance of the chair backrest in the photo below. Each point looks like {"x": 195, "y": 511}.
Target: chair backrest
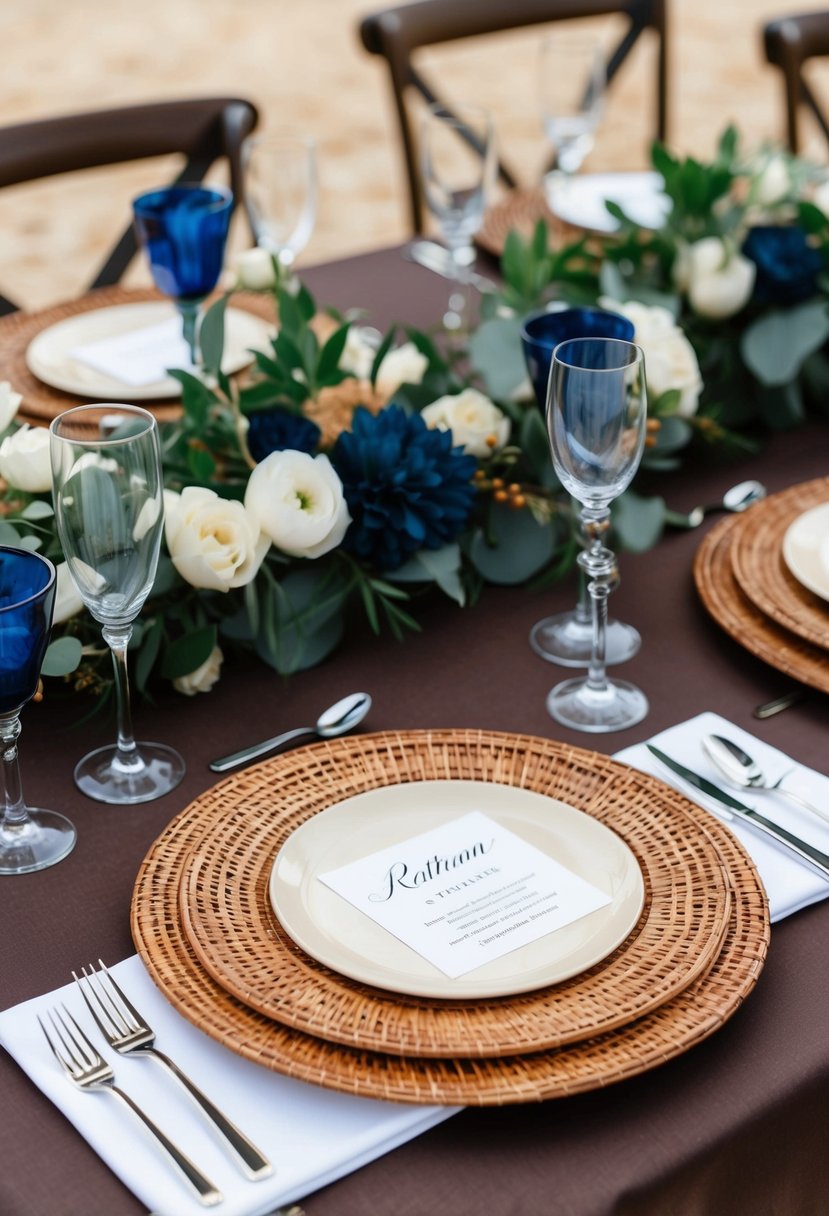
{"x": 203, "y": 131}
{"x": 789, "y": 42}
{"x": 396, "y": 33}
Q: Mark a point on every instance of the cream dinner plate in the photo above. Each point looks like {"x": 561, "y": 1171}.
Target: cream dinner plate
{"x": 580, "y": 200}
{"x": 49, "y": 356}
{"x": 340, "y": 936}
{"x": 806, "y": 549}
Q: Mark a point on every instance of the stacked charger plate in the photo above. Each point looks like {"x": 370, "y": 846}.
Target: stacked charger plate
{"x": 236, "y": 928}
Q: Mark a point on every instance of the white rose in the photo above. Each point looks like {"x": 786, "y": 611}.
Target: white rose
{"x": 68, "y": 602}
{"x": 213, "y": 542}
{"x": 9, "y": 402}
{"x": 403, "y": 365}
{"x": 203, "y": 678}
{"x": 670, "y": 360}
{"x": 254, "y": 268}
{"x": 24, "y": 459}
{"x": 358, "y": 352}
{"x": 477, "y": 425}
{"x": 298, "y": 501}
{"x": 773, "y": 183}
{"x": 719, "y": 282}
{"x": 820, "y": 198}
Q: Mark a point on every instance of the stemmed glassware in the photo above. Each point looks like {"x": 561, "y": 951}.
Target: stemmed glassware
{"x": 281, "y": 193}
{"x": 106, "y": 473}
{"x": 183, "y": 230}
{"x": 30, "y": 838}
{"x": 566, "y": 638}
{"x": 596, "y": 415}
{"x": 458, "y": 169}
{"x": 573, "y": 79}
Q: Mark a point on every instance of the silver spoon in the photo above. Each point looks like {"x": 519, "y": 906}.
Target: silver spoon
{"x": 335, "y": 720}
{"x": 736, "y": 499}
{"x": 739, "y": 769}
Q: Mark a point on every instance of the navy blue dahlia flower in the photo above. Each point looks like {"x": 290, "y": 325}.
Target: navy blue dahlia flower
{"x": 787, "y": 265}
{"x": 278, "y": 431}
{"x": 406, "y": 487}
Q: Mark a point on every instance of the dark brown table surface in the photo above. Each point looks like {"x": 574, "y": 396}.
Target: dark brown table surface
{"x": 737, "y": 1125}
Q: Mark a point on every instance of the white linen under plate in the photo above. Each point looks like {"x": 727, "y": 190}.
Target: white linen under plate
{"x": 311, "y": 1135}
{"x": 790, "y": 883}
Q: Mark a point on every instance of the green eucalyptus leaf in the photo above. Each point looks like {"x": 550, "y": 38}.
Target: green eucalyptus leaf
{"x": 515, "y": 548}
{"x": 9, "y": 535}
{"x": 495, "y": 353}
{"x": 441, "y": 566}
{"x": 37, "y": 509}
{"x": 638, "y": 522}
{"x": 212, "y": 336}
{"x": 776, "y": 345}
{"x": 534, "y": 441}
{"x": 186, "y": 654}
{"x": 147, "y": 655}
{"x": 63, "y": 656}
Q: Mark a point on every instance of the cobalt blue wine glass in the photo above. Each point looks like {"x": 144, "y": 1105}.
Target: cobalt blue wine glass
{"x": 30, "y": 838}
{"x": 183, "y": 230}
{"x": 566, "y": 638}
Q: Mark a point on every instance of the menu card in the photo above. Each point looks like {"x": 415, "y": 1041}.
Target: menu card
{"x": 139, "y": 356}
{"x": 465, "y": 893}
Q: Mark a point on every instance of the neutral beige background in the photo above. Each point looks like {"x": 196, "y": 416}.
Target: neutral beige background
{"x": 301, "y": 61}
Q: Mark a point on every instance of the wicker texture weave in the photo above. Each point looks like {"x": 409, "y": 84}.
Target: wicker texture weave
{"x": 703, "y": 1006}
{"x": 743, "y": 620}
{"x": 240, "y": 942}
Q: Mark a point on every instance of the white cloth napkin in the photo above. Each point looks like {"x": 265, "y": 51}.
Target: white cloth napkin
{"x": 311, "y": 1135}
{"x": 139, "y": 356}
{"x": 790, "y": 884}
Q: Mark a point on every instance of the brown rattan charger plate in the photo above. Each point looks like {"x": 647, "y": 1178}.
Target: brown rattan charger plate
{"x": 761, "y": 571}
{"x": 742, "y": 620}
{"x": 519, "y": 211}
{"x": 672, "y": 1028}
{"x": 239, "y": 941}
{"x": 41, "y": 402}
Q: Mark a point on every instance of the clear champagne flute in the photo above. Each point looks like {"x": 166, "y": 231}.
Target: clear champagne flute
{"x": 109, "y": 510}
{"x": 596, "y": 415}
{"x": 572, "y": 88}
{"x": 30, "y": 838}
{"x": 458, "y": 168}
{"x": 281, "y": 193}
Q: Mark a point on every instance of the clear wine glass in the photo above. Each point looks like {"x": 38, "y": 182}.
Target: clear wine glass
{"x": 596, "y": 415}
{"x": 30, "y": 838}
{"x": 566, "y": 638}
{"x": 572, "y": 88}
{"x": 458, "y": 169}
{"x": 281, "y": 193}
{"x": 183, "y": 230}
{"x": 106, "y": 472}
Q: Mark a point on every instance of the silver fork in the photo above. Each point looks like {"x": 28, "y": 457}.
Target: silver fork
{"x": 88, "y": 1070}
{"x": 126, "y": 1032}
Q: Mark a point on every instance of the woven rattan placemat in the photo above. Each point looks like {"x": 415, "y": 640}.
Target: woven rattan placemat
{"x": 669, "y": 1030}
{"x": 744, "y": 621}
{"x": 762, "y": 573}
{"x": 519, "y": 210}
{"x": 41, "y": 403}
{"x": 238, "y": 939}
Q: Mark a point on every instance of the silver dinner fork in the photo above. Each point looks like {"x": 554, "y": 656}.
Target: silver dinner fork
{"x": 86, "y": 1069}
{"x": 126, "y": 1031}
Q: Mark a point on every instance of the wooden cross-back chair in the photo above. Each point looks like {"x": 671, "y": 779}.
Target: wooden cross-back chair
{"x": 203, "y": 131}
{"x": 397, "y": 33}
{"x": 790, "y": 42}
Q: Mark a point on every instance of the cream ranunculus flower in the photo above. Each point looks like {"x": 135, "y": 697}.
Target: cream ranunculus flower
{"x": 402, "y": 365}
{"x": 670, "y": 360}
{"x": 773, "y": 183}
{"x": 254, "y": 268}
{"x": 203, "y": 678}
{"x": 820, "y": 198}
{"x": 719, "y": 282}
{"x": 213, "y": 542}
{"x": 9, "y": 403}
{"x": 359, "y": 352}
{"x": 477, "y": 425}
{"x": 24, "y": 459}
{"x": 297, "y": 500}
{"x": 68, "y": 602}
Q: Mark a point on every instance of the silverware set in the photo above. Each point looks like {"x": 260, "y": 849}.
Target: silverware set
{"x": 127, "y": 1033}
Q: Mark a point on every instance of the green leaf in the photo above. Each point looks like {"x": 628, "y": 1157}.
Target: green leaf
{"x": 37, "y": 509}
{"x": 62, "y": 657}
{"x": 9, "y": 535}
{"x": 638, "y": 522}
{"x": 775, "y": 346}
{"x": 495, "y": 353}
{"x": 332, "y": 351}
{"x": 515, "y": 549}
{"x": 212, "y": 336}
{"x": 440, "y": 566}
{"x": 382, "y": 350}
{"x": 533, "y": 440}
{"x": 187, "y": 654}
{"x": 147, "y": 655}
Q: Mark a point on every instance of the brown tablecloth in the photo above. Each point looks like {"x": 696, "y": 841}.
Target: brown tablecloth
{"x": 736, "y": 1125}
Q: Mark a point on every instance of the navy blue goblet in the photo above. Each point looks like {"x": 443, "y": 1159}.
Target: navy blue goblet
{"x": 566, "y": 638}
{"x": 30, "y": 839}
{"x": 183, "y": 230}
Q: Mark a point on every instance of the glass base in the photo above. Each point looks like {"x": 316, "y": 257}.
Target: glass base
{"x": 615, "y": 707}
{"x": 152, "y": 770}
{"x": 41, "y": 840}
{"x": 568, "y": 641}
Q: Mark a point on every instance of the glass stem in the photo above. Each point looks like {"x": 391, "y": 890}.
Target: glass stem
{"x": 118, "y": 640}
{"x": 584, "y": 606}
{"x": 599, "y": 565}
{"x": 189, "y": 310}
{"x": 14, "y": 808}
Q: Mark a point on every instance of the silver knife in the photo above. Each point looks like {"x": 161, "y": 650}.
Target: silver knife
{"x": 807, "y": 852}
{"x": 438, "y": 259}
